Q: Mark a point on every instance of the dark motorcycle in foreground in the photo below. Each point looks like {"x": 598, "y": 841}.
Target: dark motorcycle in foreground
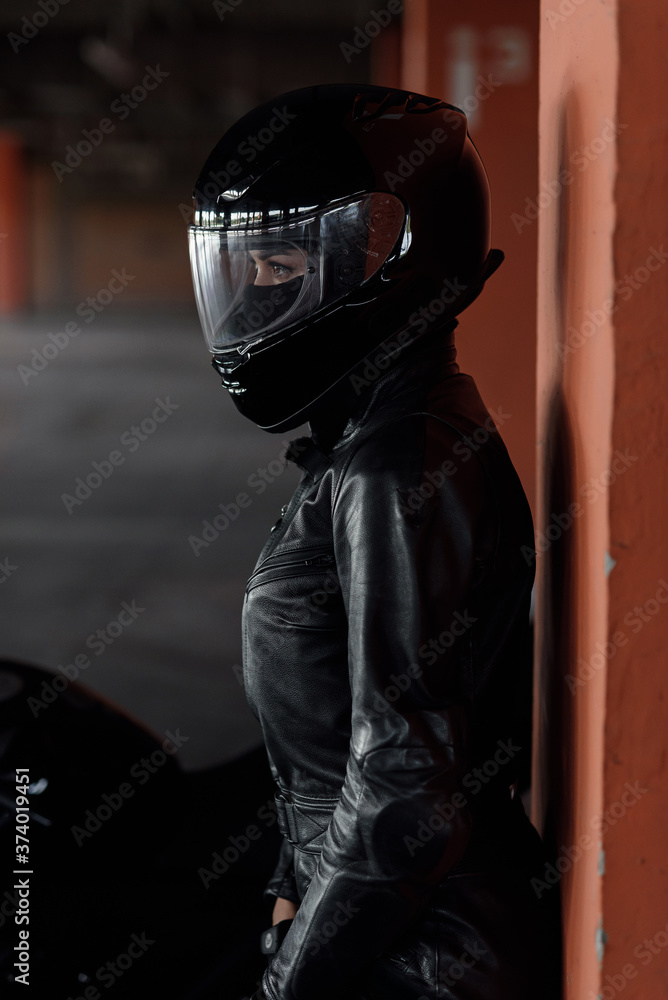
{"x": 127, "y": 877}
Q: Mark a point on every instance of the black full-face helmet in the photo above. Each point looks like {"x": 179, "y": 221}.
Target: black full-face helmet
{"x": 326, "y": 222}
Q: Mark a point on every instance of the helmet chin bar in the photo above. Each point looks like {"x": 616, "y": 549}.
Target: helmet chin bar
{"x": 253, "y": 385}
{"x": 226, "y": 362}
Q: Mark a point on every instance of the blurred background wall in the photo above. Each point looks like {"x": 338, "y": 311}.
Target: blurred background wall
{"x": 108, "y": 110}
{"x": 65, "y": 72}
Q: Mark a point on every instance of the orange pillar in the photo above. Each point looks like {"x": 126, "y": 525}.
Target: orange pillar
{"x": 13, "y": 278}
{"x": 602, "y": 602}
{"x": 575, "y": 370}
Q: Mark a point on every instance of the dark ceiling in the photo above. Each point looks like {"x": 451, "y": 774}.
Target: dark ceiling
{"x": 67, "y": 66}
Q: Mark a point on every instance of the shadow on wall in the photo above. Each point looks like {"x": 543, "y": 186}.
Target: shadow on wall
{"x": 559, "y": 628}
{"x": 557, "y": 539}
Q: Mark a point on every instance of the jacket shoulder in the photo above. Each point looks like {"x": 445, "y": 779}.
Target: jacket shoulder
{"x": 408, "y": 452}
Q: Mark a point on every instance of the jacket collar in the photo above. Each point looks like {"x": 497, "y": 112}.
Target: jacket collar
{"x": 427, "y": 362}
{"x": 423, "y": 363}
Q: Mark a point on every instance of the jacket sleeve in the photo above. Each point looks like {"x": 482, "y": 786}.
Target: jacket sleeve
{"x": 282, "y": 882}
{"x": 405, "y": 560}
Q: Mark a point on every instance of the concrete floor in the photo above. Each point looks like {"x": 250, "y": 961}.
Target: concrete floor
{"x": 67, "y": 569}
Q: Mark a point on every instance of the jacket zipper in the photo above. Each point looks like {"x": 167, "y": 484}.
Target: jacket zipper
{"x": 276, "y": 570}
{"x": 279, "y": 527}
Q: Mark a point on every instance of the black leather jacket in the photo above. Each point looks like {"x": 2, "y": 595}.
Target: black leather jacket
{"x": 385, "y": 648}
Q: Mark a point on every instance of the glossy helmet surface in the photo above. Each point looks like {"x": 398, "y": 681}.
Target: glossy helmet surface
{"x": 325, "y": 222}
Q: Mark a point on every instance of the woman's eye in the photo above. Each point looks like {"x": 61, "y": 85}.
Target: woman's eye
{"x": 280, "y": 270}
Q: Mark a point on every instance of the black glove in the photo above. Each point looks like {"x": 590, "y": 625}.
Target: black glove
{"x": 270, "y": 940}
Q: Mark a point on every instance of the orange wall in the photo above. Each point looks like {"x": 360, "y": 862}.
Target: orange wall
{"x": 635, "y": 889}
{"x": 601, "y": 376}
{"x": 574, "y": 375}
{"x": 485, "y": 59}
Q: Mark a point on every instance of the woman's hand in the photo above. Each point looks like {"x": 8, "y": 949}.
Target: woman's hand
{"x": 284, "y": 909}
